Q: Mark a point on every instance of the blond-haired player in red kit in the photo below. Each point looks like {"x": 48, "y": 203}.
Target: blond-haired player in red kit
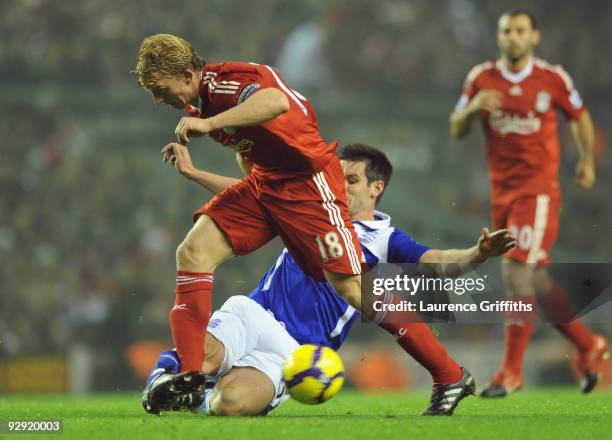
{"x": 516, "y": 98}
{"x": 295, "y": 189}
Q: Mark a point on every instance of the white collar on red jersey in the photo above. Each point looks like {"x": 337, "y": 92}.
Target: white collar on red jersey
{"x": 515, "y": 77}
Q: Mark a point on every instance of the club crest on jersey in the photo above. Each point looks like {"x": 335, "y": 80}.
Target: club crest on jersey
{"x": 542, "y": 104}
{"x": 229, "y": 130}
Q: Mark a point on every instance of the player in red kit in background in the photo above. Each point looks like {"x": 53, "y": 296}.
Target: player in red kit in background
{"x": 517, "y": 97}
{"x": 294, "y": 188}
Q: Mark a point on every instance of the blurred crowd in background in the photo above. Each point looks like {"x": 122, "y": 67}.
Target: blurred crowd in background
{"x": 90, "y": 217}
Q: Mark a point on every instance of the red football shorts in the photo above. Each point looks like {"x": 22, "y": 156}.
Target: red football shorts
{"x": 534, "y": 221}
{"x": 308, "y": 212}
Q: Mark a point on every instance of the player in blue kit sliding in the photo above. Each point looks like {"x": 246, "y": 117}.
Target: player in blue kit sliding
{"x": 310, "y": 310}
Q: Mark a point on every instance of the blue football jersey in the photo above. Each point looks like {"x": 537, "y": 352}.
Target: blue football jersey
{"x": 311, "y": 311}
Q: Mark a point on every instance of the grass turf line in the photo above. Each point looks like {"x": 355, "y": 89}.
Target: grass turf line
{"x": 544, "y": 413}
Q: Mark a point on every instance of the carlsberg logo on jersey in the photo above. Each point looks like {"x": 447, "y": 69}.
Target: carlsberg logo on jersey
{"x": 507, "y": 123}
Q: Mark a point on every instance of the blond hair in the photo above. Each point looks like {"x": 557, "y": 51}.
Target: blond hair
{"x": 164, "y": 56}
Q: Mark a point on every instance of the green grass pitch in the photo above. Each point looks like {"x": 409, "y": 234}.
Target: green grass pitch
{"x": 544, "y": 413}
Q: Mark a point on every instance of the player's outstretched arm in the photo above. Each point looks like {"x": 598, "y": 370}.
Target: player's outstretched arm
{"x": 583, "y": 133}
{"x": 454, "y": 262}
{"x": 178, "y": 155}
{"x": 461, "y": 119}
{"x": 259, "y": 108}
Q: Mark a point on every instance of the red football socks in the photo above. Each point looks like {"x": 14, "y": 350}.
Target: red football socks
{"x": 189, "y": 317}
{"x": 518, "y": 330}
{"x": 560, "y": 312}
{"x": 417, "y": 339}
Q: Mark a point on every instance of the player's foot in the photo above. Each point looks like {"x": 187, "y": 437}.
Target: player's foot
{"x": 445, "y": 398}
{"x": 503, "y": 383}
{"x": 168, "y": 391}
{"x": 188, "y": 402}
{"x": 591, "y": 362}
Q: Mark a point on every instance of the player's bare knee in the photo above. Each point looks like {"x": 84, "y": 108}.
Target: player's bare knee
{"x": 204, "y": 247}
{"x": 230, "y": 403}
{"x": 191, "y": 257}
{"x": 222, "y": 408}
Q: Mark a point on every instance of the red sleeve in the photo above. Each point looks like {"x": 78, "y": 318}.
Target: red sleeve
{"x": 470, "y": 88}
{"x": 566, "y": 96}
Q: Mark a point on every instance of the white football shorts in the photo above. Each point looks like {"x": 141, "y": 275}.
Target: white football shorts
{"x": 252, "y": 338}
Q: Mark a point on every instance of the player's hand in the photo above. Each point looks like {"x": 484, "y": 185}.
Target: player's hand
{"x": 488, "y": 100}
{"x": 178, "y": 155}
{"x": 493, "y": 244}
{"x": 585, "y": 173}
{"x": 191, "y": 127}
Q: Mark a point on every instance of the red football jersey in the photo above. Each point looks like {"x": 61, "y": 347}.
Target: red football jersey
{"x": 522, "y": 140}
{"x": 284, "y": 147}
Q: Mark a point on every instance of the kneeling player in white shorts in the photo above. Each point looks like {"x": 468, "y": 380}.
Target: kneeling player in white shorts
{"x": 245, "y": 350}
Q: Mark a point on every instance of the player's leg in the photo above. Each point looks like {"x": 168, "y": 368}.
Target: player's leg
{"x": 529, "y": 219}
{"x": 233, "y": 335}
{"x": 558, "y": 309}
{"x": 232, "y": 223}
{"x": 518, "y": 279}
{"x": 168, "y": 362}
{"x": 244, "y": 391}
{"x": 203, "y": 249}
{"x": 157, "y": 396}
{"x": 256, "y": 346}
{"x": 451, "y": 382}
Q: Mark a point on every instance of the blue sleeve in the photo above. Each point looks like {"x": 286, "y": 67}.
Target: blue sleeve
{"x": 404, "y": 249}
